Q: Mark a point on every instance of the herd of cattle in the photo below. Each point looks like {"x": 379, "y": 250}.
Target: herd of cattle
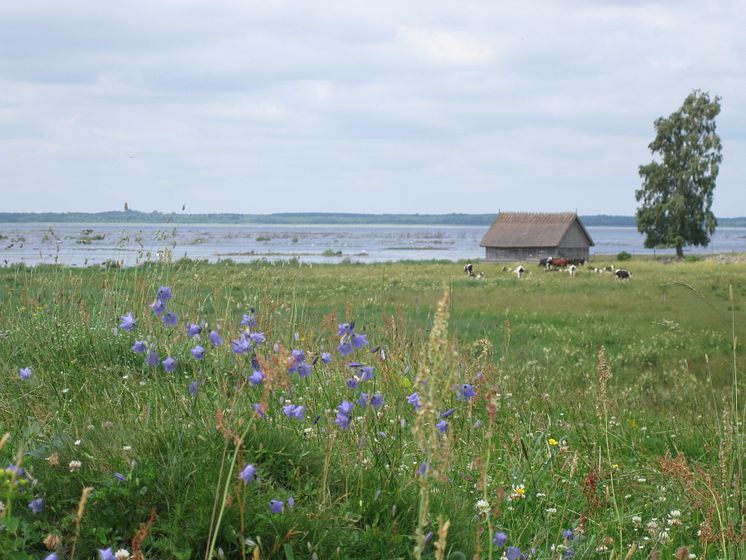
{"x": 555, "y": 264}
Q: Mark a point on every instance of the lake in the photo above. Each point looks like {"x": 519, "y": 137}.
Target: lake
{"x": 93, "y": 244}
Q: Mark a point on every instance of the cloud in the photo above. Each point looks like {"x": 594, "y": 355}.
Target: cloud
{"x": 353, "y": 106}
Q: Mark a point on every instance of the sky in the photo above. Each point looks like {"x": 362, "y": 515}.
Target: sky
{"x": 421, "y": 106}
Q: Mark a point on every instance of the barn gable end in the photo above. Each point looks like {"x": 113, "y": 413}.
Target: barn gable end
{"x": 520, "y": 236}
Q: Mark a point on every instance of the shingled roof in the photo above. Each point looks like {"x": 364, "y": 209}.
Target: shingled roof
{"x": 528, "y": 229}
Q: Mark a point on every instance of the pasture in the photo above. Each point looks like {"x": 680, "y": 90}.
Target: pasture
{"x": 547, "y": 416}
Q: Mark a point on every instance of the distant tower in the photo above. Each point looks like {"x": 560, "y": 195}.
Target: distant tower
{"x": 126, "y": 207}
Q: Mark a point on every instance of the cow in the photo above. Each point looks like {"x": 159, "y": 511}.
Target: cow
{"x": 469, "y": 269}
{"x": 555, "y": 263}
{"x": 519, "y": 271}
{"x": 576, "y": 262}
{"x": 572, "y": 269}
{"x": 622, "y": 274}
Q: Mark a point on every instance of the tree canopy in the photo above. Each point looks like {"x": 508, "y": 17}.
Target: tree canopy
{"x": 678, "y": 185}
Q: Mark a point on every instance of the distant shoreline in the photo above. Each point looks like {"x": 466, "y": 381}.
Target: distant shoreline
{"x": 300, "y": 218}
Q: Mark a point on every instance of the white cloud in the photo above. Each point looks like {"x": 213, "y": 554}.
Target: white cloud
{"x": 512, "y": 104}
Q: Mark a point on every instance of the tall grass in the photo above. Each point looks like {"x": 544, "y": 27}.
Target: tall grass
{"x": 553, "y": 452}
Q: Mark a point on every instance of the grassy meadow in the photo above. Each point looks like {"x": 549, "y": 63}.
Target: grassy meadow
{"x": 544, "y": 417}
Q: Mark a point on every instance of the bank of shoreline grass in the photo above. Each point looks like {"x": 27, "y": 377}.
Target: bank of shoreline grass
{"x": 661, "y": 437}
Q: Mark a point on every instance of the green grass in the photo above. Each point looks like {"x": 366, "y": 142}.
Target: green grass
{"x": 664, "y": 433}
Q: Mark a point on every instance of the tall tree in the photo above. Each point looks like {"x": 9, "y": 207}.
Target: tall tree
{"x": 677, "y": 186}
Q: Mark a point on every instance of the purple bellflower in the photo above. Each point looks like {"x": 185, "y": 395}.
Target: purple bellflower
{"x": 248, "y": 474}
{"x": 350, "y": 340}
{"x": 128, "y": 322}
{"x": 164, "y": 293}
{"x": 513, "y": 553}
{"x": 241, "y": 346}
{"x": 276, "y": 506}
{"x": 152, "y": 358}
{"x": 158, "y": 306}
{"x": 466, "y": 392}
{"x": 215, "y": 338}
{"x": 346, "y": 407}
{"x": 342, "y": 421}
{"x": 414, "y": 400}
{"x": 296, "y": 411}
{"x": 377, "y": 400}
{"x": 193, "y": 389}
{"x": 358, "y": 340}
{"x": 366, "y": 373}
{"x": 169, "y": 364}
{"x": 169, "y": 319}
{"x": 258, "y": 338}
{"x": 36, "y": 506}
{"x": 249, "y": 320}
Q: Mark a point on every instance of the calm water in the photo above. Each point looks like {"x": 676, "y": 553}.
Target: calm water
{"x": 91, "y": 244}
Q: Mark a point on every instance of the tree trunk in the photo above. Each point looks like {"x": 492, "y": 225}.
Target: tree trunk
{"x": 679, "y": 252}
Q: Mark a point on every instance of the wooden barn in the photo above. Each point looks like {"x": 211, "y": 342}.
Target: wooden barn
{"x": 522, "y": 236}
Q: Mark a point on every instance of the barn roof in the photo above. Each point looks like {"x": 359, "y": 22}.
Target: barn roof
{"x": 529, "y": 229}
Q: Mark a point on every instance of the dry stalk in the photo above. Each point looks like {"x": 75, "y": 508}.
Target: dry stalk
{"x": 434, "y": 379}
{"x": 85, "y": 494}
{"x": 440, "y": 545}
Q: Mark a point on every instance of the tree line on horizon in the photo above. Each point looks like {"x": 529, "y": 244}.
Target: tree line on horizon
{"x": 301, "y": 218}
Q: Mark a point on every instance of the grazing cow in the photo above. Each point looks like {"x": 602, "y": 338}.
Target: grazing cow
{"x": 622, "y": 274}
{"x": 572, "y": 269}
{"x": 469, "y": 269}
{"x": 519, "y": 271}
{"x": 555, "y": 263}
{"x": 543, "y": 262}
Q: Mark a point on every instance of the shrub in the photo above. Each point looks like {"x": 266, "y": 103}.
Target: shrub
{"x": 623, "y": 256}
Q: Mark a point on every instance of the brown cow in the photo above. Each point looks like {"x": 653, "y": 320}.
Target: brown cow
{"x": 555, "y": 263}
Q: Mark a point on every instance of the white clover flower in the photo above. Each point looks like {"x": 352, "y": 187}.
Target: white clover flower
{"x": 636, "y": 519}
{"x": 122, "y": 554}
{"x": 674, "y": 513}
{"x": 482, "y": 506}
{"x": 75, "y": 466}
